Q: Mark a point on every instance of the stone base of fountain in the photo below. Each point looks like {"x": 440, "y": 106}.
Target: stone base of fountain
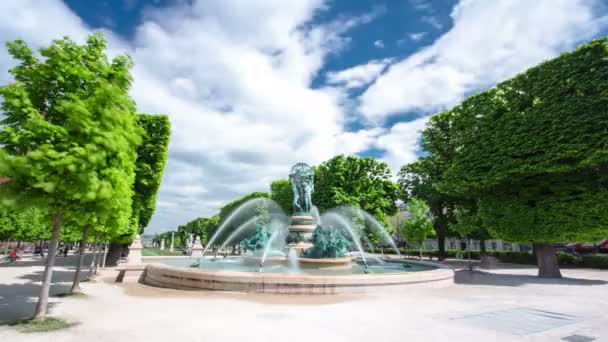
{"x": 327, "y": 263}
{"x": 201, "y": 279}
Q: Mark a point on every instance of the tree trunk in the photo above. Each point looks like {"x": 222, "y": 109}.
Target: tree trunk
{"x": 95, "y": 246}
{"x": 18, "y": 244}
{"x": 43, "y": 298}
{"x": 99, "y": 255}
{"x": 114, "y": 253}
{"x": 105, "y": 255}
{"x": 546, "y": 260}
{"x": 469, "y": 252}
{"x": 440, "y": 245}
{"x": 8, "y": 243}
{"x": 482, "y": 246}
{"x": 83, "y": 243}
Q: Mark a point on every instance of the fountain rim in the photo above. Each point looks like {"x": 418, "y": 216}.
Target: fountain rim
{"x": 239, "y": 281}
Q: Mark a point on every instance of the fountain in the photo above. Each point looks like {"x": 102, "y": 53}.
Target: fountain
{"x": 307, "y": 253}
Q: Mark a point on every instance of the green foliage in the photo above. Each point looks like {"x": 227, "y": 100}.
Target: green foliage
{"x": 595, "y": 261}
{"x": 24, "y": 224}
{"x": 360, "y": 182}
{"x": 69, "y": 132}
{"x": 533, "y": 151}
{"x": 421, "y": 180}
{"x": 36, "y": 326}
{"x": 417, "y": 225}
{"x": 282, "y": 193}
{"x": 152, "y": 156}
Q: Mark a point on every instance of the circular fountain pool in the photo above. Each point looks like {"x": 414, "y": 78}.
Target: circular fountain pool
{"x": 232, "y": 274}
{"x": 304, "y": 253}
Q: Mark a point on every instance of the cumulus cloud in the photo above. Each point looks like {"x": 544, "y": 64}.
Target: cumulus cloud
{"x": 415, "y": 36}
{"x": 401, "y": 143}
{"x": 379, "y": 44}
{"x": 235, "y": 78}
{"x": 489, "y": 41}
{"x": 236, "y": 88}
{"x": 358, "y": 76}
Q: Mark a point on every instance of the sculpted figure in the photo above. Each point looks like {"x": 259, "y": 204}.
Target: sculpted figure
{"x": 302, "y": 184}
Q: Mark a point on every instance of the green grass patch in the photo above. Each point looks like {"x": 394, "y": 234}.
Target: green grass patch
{"x": 71, "y": 295}
{"x": 158, "y": 252}
{"x": 35, "y": 326}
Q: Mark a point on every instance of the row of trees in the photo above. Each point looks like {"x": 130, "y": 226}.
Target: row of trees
{"x": 75, "y": 155}
{"x": 352, "y": 181}
{"x": 525, "y": 161}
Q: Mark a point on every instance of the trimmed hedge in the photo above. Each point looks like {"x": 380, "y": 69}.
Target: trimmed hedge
{"x": 564, "y": 259}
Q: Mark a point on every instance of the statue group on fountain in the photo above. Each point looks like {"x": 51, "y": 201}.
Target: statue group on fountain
{"x": 302, "y": 179}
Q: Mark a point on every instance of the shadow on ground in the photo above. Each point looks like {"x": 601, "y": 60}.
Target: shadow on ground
{"x": 465, "y": 277}
{"x": 18, "y": 300}
{"x": 69, "y": 261}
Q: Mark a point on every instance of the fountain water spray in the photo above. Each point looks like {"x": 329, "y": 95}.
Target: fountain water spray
{"x": 328, "y": 217}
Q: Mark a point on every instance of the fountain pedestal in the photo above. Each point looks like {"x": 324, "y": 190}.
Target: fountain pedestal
{"x": 300, "y": 233}
{"x": 197, "y": 249}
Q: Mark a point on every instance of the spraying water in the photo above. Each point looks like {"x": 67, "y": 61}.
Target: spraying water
{"x": 329, "y": 217}
{"x": 248, "y": 205}
{"x": 247, "y": 225}
{"x": 380, "y": 228}
{"x": 268, "y": 246}
{"x": 292, "y": 261}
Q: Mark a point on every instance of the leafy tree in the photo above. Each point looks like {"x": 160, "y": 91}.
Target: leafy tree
{"x": 282, "y": 193}
{"x": 69, "y": 134}
{"x": 417, "y": 225}
{"x": 533, "y": 152}
{"x": 363, "y": 183}
{"x": 152, "y": 156}
{"x": 420, "y": 180}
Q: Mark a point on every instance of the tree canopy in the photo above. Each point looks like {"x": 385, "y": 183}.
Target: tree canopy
{"x": 152, "y": 156}
{"x": 532, "y": 153}
{"x": 68, "y": 137}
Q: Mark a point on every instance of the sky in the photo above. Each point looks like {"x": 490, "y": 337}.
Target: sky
{"x": 252, "y": 87}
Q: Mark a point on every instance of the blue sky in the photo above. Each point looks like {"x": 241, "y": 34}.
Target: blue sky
{"x": 251, "y": 87}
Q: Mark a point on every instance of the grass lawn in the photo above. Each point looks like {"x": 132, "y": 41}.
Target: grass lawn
{"x": 158, "y": 252}
{"x": 34, "y": 326}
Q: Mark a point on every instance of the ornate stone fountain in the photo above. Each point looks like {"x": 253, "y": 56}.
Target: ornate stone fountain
{"x": 296, "y": 255}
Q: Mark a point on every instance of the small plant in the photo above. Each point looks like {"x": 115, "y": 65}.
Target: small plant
{"x": 38, "y": 326}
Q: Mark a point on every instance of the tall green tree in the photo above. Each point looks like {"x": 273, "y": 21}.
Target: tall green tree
{"x": 421, "y": 180}
{"x": 363, "y": 183}
{"x": 282, "y": 193}
{"x": 418, "y": 224}
{"x": 66, "y": 116}
{"x": 533, "y": 152}
{"x": 152, "y": 156}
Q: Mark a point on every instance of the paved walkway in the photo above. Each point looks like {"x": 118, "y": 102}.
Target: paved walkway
{"x": 509, "y": 304}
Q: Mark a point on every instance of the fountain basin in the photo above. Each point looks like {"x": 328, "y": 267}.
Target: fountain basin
{"x": 284, "y": 283}
{"x": 327, "y": 263}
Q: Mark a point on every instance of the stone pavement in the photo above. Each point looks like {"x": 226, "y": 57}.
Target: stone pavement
{"x": 508, "y": 304}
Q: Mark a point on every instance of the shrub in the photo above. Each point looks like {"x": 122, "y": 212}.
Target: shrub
{"x": 595, "y": 261}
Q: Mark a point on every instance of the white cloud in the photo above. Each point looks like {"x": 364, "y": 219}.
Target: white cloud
{"x": 358, "y": 76}
{"x": 235, "y": 79}
{"x": 432, "y": 20}
{"x": 379, "y": 44}
{"x": 401, "y": 143}
{"x": 237, "y": 90}
{"x": 415, "y": 36}
{"x": 490, "y": 41}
